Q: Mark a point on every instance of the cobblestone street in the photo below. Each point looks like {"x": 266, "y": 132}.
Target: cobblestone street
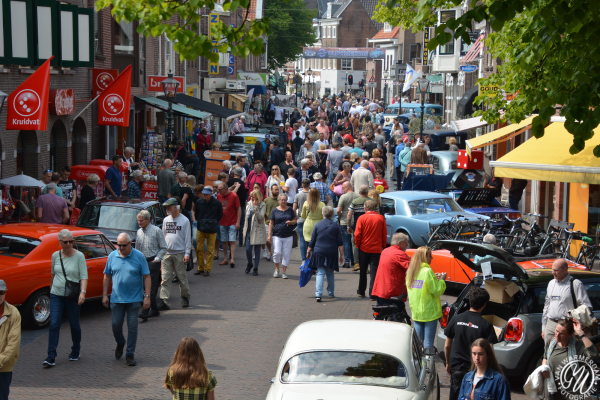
{"x": 241, "y": 322}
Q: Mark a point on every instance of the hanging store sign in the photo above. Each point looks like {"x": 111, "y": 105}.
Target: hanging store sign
{"x": 154, "y": 82}
{"x": 62, "y": 101}
{"x": 425, "y": 43}
{"x": 101, "y": 79}
{"x": 213, "y": 66}
{"x": 113, "y": 103}
{"x": 364, "y": 53}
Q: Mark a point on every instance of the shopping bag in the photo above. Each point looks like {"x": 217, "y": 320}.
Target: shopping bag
{"x": 305, "y": 273}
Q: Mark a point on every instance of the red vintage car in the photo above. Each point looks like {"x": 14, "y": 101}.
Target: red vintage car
{"x": 459, "y": 275}
{"x": 25, "y": 253}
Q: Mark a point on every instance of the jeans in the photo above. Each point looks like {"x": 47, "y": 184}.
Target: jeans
{"x": 195, "y": 161}
{"x": 253, "y": 249}
{"x": 321, "y": 272}
{"x": 118, "y": 317}
{"x": 210, "y": 239}
{"x": 426, "y": 332}
{"x": 367, "y": 261}
{"x": 456, "y": 379}
{"x": 303, "y": 244}
{"x": 241, "y": 230}
{"x": 347, "y": 240}
{"x": 57, "y": 305}
{"x": 5, "y": 379}
{"x": 399, "y": 178}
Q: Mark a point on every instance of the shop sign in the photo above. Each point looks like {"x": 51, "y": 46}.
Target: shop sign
{"x": 62, "y": 101}
{"x": 425, "y": 43}
{"x": 102, "y": 78}
{"x": 154, "y": 83}
{"x": 362, "y": 53}
{"x": 113, "y": 103}
{"x": 214, "y": 165}
{"x": 27, "y": 108}
{"x": 490, "y": 90}
{"x": 468, "y": 68}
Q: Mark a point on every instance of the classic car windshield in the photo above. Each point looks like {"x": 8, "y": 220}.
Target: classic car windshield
{"x": 345, "y": 367}
{"x": 16, "y": 246}
{"x": 111, "y": 217}
{"x": 432, "y": 206}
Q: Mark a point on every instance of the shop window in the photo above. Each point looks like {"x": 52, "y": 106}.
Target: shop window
{"x": 334, "y": 29}
{"x": 346, "y": 64}
{"x": 415, "y": 51}
{"x": 124, "y": 40}
{"x": 448, "y": 48}
{"x": 126, "y": 48}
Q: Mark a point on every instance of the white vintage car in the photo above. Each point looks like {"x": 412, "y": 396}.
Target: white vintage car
{"x": 354, "y": 360}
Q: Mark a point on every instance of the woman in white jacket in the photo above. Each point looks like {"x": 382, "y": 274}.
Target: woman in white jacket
{"x": 255, "y": 234}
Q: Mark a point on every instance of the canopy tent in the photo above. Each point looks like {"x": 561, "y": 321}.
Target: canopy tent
{"x": 22, "y": 181}
{"x": 469, "y": 123}
{"x": 177, "y": 109}
{"x": 205, "y": 106}
{"x": 548, "y": 159}
{"x": 499, "y": 135}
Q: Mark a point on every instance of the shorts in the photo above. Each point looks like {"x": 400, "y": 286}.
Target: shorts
{"x": 228, "y": 233}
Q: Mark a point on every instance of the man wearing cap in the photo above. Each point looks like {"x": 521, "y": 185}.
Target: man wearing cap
{"x": 209, "y": 212}
{"x": 281, "y": 133}
{"x": 177, "y": 230}
{"x": 10, "y": 341}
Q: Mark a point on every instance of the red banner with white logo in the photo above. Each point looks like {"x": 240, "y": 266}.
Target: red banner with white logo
{"x": 28, "y": 104}
{"x": 101, "y": 78}
{"x": 113, "y": 103}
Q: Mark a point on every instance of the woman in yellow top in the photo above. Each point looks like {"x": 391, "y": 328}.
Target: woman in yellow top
{"x": 188, "y": 377}
{"x": 424, "y": 291}
{"x": 311, "y": 212}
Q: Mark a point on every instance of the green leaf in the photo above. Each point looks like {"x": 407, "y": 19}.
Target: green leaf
{"x": 597, "y": 151}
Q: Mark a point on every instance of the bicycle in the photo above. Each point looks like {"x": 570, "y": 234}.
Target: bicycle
{"x": 392, "y": 312}
{"x": 587, "y": 253}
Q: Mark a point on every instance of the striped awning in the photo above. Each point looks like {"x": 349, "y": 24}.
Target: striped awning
{"x": 474, "y": 51}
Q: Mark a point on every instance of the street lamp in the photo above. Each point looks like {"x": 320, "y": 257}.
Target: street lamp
{"x": 170, "y": 86}
{"x": 400, "y": 77}
{"x": 423, "y": 89}
{"x": 309, "y": 73}
{"x": 297, "y": 78}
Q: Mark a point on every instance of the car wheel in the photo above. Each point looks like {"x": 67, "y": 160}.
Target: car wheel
{"x": 36, "y": 310}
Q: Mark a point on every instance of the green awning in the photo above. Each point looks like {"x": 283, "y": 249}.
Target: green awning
{"x": 177, "y": 109}
{"x": 437, "y": 78}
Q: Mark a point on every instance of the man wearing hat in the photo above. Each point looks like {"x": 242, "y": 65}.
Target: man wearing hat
{"x": 209, "y": 212}
{"x": 281, "y": 132}
{"x": 10, "y": 341}
{"x": 176, "y": 228}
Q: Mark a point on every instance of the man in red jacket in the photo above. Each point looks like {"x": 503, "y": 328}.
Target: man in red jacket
{"x": 370, "y": 239}
{"x": 390, "y": 280}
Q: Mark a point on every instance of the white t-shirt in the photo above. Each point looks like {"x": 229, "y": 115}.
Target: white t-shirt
{"x": 307, "y": 110}
{"x": 302, "y": 131}
{"x": 291, "y": 183}
{"x": 353, "y": 111}
{"x": 278, "y": 112}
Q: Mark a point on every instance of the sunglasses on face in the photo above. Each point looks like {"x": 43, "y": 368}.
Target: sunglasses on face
{"x": 2, "y": 292}
{"x": 123, "y": 245}
{"x": 68, "y": 241}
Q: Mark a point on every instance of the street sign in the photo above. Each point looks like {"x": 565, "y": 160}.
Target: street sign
{"x": 372, "y": 84}
{"x": 154, "y": 82}
{"x": 372, "y": 80}
{"x": 468, "y": 68}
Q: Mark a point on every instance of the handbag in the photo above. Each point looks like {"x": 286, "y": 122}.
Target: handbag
{"x": 72, "y": 289}
{"x": 305, "y": 273}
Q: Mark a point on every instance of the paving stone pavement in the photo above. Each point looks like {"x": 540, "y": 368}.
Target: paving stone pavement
{"x": 240, "y": 321}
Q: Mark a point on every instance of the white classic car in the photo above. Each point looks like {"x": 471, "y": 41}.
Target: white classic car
{"x": 354, "y": 360}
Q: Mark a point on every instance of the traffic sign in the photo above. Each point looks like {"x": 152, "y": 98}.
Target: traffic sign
{"x": 372, "y": 80}
{"x": 468, "y": 68}
{"x": 372, "y": 84}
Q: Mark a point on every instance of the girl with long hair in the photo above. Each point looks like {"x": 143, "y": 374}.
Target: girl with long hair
{"x": 486, "y": 377}
{"x": 276, "y": 178}
{"x": 312, "y": 213}
{"x": 378, "y": 161}
{"x": 188, "y": 377}
{"x": 374, "y": 195}
{"x": 424, "y": 291}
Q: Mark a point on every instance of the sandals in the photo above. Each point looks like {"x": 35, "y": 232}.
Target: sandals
{"x": 224, "y": 262}
{"x": 232, "y": 265}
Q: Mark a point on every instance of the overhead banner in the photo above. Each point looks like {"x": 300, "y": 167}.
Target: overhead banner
{"x": 28, "y": 104}
{"x": 361, "y": 53}
{"x": 113, "y": 103}
{"x": 285, "y": 100}
{"x": 101, "y": 79}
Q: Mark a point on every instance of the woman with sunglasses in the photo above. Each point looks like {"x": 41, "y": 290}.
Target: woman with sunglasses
{"x": 67, "y": 264}
{"x": 275, "y": 179}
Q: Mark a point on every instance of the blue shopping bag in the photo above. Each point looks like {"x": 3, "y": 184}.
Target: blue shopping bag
{"x": 305, "y": 273}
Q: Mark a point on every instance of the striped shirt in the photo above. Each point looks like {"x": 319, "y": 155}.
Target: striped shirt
{"x": 151, "y": 242}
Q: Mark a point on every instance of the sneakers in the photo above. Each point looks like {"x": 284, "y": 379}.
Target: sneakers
{"x": 163, "y": 306}
{"x": 130, "y": 361}
{"x": 276, "y": 274}
{"x": 318, "y": 299}
{"x": 356, "y": 267}
{"x": 265, "y": 254}
{"x": 248, "y": 268}
{"x": 185, "y": 302}
{"x": 74, "y": 356}
{"x": 119, "y": 350}
{"x": 255, "y": 273}
{"x": 49, "y": 362}
{"x": 268, "y": 257}
{"x": 284, "y": 276}
{"x": 346, "y": 265}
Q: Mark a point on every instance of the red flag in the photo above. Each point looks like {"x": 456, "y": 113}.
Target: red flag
{"x": 113, "y": 103}
{"x": 28, "y": 104}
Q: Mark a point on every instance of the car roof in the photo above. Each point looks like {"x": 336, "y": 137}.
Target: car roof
{"x": 384, "y": 337}
{"x": 409, "y": 195}
{"x": 541, "y": 276}
{"x": 123, "y": 202}
{"x": 39, "y": 230}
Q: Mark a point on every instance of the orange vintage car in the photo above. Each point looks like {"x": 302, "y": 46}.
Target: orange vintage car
{"x": 25, "y": 253}
{"x": 459, "y": 275}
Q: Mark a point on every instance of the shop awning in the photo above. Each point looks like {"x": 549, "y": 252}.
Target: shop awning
{"x": 474, "y": 51}
{"x": 240, "y": 97}
{"x": 258, "y": 89}
{"x": 499, "y": 135}
{"x": 469, "y": 123}
{"x": 205, "y": 106}
{"x": 548, "y": 159}
{"x": 177, "y": 109}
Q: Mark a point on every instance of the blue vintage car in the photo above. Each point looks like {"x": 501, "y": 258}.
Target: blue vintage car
{"x": 418, "y": 213}
{"x": 483, "y": 202}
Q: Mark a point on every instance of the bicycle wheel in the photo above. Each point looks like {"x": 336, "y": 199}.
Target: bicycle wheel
{"x": 516, "y": 239}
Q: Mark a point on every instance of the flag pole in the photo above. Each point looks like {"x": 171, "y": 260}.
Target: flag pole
{"x": 84, "y": 108}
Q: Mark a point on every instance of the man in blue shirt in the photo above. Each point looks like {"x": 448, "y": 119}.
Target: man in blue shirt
{"x": 113, "y": 179}
{"x": 127, "y": 268}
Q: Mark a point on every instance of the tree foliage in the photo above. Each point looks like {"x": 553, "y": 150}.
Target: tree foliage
{"x": 549, "y": 52}
{"x": 290, "y": 25}
{"x": 156, "y": 17}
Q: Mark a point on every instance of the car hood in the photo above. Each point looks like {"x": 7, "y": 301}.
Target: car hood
{"x": 502, "y": 210}
{"x": 507, "y": 265}
{"x": 332, "y": 391}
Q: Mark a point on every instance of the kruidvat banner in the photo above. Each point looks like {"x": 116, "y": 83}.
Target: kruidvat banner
{"x": 361, "y": 53}
{"x": 113, "y": 103}
{"x": 28, "y": 104}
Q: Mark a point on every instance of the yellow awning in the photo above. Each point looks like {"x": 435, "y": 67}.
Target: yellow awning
{"x": 499, "y": 135}
{"x": 548, "y": 159}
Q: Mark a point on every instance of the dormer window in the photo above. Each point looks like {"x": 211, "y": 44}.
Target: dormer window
{"x": 387, "y": 27}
